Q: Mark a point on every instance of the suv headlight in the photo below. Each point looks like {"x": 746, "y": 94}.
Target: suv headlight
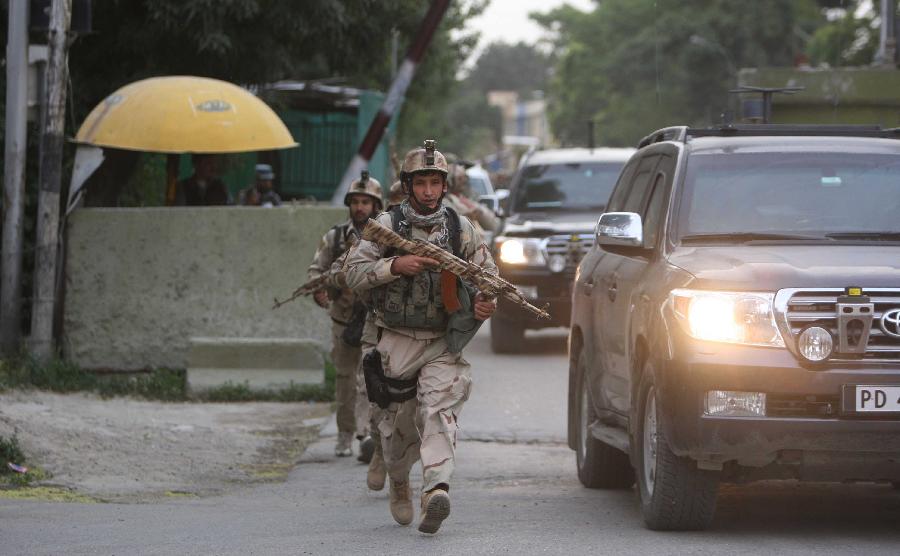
{"x": 520, "y": 251}
{"x": 732, "y": 317}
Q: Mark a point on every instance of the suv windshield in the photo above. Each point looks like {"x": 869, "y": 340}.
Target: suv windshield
{"x": 812, "y": 194}
{"x": 478, "y": 186}
{"x": 573, "y": 186}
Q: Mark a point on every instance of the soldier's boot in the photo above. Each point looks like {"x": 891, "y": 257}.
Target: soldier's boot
{"x": 401, "y": 502}
{"x": 377, "y": 473}
{"x": 342, "y": 448}
{"x": 366, "y": 449}
{"x": 435, "y": 509}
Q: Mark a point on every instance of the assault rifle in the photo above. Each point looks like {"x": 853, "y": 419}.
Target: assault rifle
{"x": 487, "y": 283}
{"x": 308, "y": 288}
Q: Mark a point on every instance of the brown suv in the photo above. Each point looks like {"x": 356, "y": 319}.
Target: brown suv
{"x": 738, "y": 317}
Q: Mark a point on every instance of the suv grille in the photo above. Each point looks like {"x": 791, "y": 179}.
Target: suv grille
{"x": 572, "y": 246}
{"x": 805, "y": 307}
{"x": 799, "y": 405}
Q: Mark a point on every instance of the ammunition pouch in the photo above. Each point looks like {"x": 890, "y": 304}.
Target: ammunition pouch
{"x": 383, "y": 390}
{"x": 352, "y": 335}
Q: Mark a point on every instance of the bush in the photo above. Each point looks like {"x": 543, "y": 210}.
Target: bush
{"x": 10, "y": 452}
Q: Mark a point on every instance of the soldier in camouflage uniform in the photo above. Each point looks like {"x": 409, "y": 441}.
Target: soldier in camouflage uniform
{"x": 364, "y": 202}
{"x": 411, "y": 302}
{"x": 458, "y": 199}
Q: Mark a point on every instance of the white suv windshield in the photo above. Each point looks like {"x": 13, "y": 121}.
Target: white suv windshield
{"x": 813, "y": 194}
{"x": 574, "y": 186}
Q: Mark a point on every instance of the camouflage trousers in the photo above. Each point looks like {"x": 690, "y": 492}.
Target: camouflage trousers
{"x": 346, "y": 361}
{"x": 426, "y": 426}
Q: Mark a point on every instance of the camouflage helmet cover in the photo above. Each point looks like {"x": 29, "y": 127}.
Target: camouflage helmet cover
{"x": 424, "y": 159}
{"x": 365, "y": 185}
{"x": 396, "y": 194}
{"x": 458, "y": 179}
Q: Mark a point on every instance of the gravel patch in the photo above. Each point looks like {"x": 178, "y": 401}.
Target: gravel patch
{"x": 132, "y": 450}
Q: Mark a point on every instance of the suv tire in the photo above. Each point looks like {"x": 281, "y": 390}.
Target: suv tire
{"x": 506, "y": 335}
{"x": 599, "y": 464}
{"x": 675, "y": 495}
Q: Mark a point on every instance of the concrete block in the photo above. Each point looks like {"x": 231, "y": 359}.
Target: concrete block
{"x": 261, "y": 363}
{"x": 141, "y": 281}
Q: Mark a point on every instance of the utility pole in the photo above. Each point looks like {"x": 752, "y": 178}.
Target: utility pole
{"x": 14, "y": 177}
{"x": 886, "y": 56}
{"x": 46, "y": 252}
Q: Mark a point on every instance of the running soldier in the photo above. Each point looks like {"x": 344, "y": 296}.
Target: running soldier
{"x": 347, "y": 315}
{"x": 417, "y": 361}
{"x": 458, "y": 199}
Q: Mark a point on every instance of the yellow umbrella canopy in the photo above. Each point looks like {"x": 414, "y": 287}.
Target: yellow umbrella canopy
{"x": 184, "y": 114}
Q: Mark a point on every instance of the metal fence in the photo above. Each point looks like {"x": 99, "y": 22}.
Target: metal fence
{"x": 327, "y": 142}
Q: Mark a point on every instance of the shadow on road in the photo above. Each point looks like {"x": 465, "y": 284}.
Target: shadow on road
{"x": 821, "y": 509}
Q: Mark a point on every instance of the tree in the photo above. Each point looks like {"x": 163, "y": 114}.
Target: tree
{"x": 253, "y": 42}
{"x": 847, "y": 40}
{"x": 510, "y": 67}
{"x": 637, "y": 65}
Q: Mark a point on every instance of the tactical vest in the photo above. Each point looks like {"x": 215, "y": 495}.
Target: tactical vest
{"x": 415, "y": 301}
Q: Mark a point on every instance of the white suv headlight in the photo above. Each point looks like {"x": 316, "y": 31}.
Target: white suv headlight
{"x": 732, "y": 317}
{"x": 520, "y": 251}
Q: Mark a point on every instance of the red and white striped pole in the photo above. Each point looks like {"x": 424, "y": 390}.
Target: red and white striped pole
{"x": 398, "y": 89}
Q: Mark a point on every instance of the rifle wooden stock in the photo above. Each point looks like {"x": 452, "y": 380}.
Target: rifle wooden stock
{"x": 487, "y": 283}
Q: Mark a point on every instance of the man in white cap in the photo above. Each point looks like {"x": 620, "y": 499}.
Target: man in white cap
{"x": 261, "y": 193}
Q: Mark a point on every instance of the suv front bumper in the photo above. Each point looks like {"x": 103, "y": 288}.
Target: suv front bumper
{"x": 804, "y": 426}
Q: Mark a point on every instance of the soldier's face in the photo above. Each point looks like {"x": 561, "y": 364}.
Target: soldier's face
{"x": 428, "y": 188}
{"x": 362, "y": 207}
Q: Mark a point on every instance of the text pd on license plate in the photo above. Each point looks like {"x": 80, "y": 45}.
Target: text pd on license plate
{"x": 877, "y": 398}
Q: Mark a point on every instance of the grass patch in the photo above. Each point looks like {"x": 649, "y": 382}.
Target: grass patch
{"x": 46, "y": 494}
{"x": 159, "y": 384}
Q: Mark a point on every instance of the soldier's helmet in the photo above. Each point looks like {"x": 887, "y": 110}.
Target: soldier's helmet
{"x": 458, "y": 180}
{"x": 396, "y": 194}
{"x": 365, "y": 185}
{"x": 423, "y": 159}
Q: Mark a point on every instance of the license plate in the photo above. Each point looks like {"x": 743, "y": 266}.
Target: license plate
{"x": 876, "y": 399}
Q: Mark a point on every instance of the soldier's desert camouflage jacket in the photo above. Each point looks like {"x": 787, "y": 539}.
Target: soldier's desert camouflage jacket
{"x": 324, "y": 260}
{"x": 479, "y": 214}
{"x": 366, "y": 267}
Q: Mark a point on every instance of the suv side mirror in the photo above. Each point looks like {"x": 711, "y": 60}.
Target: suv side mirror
{"x": 622, "y": 229}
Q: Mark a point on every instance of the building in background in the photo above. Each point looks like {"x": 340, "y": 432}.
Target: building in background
{"x": 525, "y": 126}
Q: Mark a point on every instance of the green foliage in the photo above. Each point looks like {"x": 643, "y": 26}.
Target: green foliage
{"x": 510, "y": 67}
{"x": 261, "y": 41}
{"x": 638, "y": 65}
{"x": 846, "y": 41}
{"x": 231, "y": 392}
{"x": 424, "y": 113}
{"x": 160, "y": 384}
{"x": 10, "y": 452}
{"x": 241, "y": 392}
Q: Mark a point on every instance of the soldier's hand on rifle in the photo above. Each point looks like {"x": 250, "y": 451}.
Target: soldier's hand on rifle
{"x": 484, "y": 307}
{"x": 321, "y": 298}
{"x": 410, "y": 265}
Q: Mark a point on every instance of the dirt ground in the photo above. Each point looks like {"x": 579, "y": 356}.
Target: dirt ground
{"x": 131, "y": 450}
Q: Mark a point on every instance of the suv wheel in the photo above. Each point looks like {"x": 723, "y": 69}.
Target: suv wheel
{"x": 675, "y": 495}
{"x": 506, "y": 335}
{"x": 599, "y": 464}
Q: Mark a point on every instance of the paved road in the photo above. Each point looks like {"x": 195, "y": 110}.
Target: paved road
{"x": 509, "y": 497}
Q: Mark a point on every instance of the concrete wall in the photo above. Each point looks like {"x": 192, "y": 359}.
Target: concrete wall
{"x": 141, "y": 282}
{"x": 833, "y": 96}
